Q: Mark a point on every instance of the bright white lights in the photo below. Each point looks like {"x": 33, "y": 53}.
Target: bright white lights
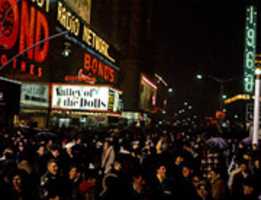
{"x": 170, "y": 90}
{"x": 199, "y": 76}
{"x": 258, "y": 71}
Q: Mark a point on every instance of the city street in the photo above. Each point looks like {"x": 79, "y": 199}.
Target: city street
{"x": 130, "y": 100}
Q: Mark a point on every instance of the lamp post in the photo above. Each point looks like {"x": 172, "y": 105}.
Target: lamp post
{"x": 33, "y": 46}
{"x": 256, "y": 107}
{"x": 221, "y": 83}
{"x": 167, "y": 91}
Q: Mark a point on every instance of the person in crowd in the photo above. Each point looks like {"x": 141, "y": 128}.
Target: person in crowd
{"x": 186, "y": 189}
{"x": 108, "y": 156}
{"x": 150, "y": 164}
{"x": 72, "y": 183}
{"x": 30, "y": 177}
{"x": 257, "y": 171}
{"x": 249, "y": 189}
{"x": 51, "y": 184}
{"x": 202, "y": 191}
{"x": 19, "y": 191}
{"x": 238, "y": 177}
{"x": 162, "y": 184}
{"x": 217, "y": 184}
{"x": 88, "y": 186}
{"x": 138, "y": 188}
{"x": 115, "y": 183}
{"x": 40, "y": 160}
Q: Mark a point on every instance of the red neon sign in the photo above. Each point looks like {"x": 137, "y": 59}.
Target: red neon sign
{"x": 33, "y": 24}
{"x": 9, "y": 22}
{"x": 28, "y": 27}
{"x": 95, "y": 68}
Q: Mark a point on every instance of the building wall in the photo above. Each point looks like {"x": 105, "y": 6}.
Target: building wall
{"x": 126, "y": 24}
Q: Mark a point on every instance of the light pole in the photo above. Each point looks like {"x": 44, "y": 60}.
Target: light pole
{"x": 33, "y": 46}
{"x": 167, "y": 91}
{"x": 256, "y": 107}
{"x": 221, "y": 83}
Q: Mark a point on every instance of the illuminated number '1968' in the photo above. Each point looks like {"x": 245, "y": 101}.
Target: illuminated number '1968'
{"x": 250, "y": 49}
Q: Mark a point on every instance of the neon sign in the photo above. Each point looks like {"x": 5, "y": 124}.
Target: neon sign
{"x": 26, "y": 27}
{"x": 67, "y": 20}
{"x": 250, "y": 49}
{"x": 93, "y": 69}
{"x": 72, "y": 23}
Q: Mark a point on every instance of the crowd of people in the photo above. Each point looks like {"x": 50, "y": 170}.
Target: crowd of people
{"x": 129, "y": 164}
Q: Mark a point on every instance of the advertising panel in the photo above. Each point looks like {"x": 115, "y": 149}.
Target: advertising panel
{"x": 76, "y": 97}
{"x": 148, "y": 93}
{"x": 115, "y": 101}
{"x": 84, "y": 56}
{"x": 49, "y": 41}
{"x": 24, "y": 44}
{"x": 34, "y": 95}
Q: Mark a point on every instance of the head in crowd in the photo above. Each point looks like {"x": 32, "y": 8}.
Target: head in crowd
{"x": 187, "y": 170}
{"x": 52, "y": 167}
{"x": 74, "y": 172}
{"x": 41, "y": 150}
{"x": 214, "y": 174}
{"x": 249, "y": 188}
{"x": 17, "y": 182}
{"x": 243, "y": 166}
{"x": 161, "y": 172}
{"x": 55, "y": 150}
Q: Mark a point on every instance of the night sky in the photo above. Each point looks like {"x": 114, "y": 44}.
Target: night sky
{"x": 199, "y": 36}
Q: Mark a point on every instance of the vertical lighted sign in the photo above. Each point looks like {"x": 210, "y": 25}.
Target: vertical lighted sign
{"x": 250, "y": 49}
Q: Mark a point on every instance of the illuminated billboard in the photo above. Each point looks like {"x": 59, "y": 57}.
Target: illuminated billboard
{"x": 76, "y": 97}
{"x": 148, "y": 93}
{"x": 34, "y": 95}
{"x": 250, "y": 49}
{"x": 115, "y": 100}
{"x": 23, "y": 25}
{"x": 48, "y": 41}
{"x": 85, "y": 98}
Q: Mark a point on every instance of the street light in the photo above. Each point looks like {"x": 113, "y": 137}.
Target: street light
{"x": 33, "y": 46}
{"x": 221, "y": 83}
{"x": 170, "y": 90}
{"x": 224, "y": 96}
{"x": 256, "y": 107}
{"x": 199, "y": 76}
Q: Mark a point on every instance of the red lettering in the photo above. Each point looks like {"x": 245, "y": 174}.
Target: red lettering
{"x": 112, "y": 75}
{"x": 27, "y": 29}
{"x": 87, "y": 61}
{"x": 41, "y": 51}
{"x": 100, "y": 69}
{"x": 94, "y": 66}
{"x": 106, "y": 73}
{"x": 40, "y": 72}
{"x": 9, "y": 29}
{"x": 32, "y": 69}
{"x": 4, "y": 59}
{"x": 23, "y": 66}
